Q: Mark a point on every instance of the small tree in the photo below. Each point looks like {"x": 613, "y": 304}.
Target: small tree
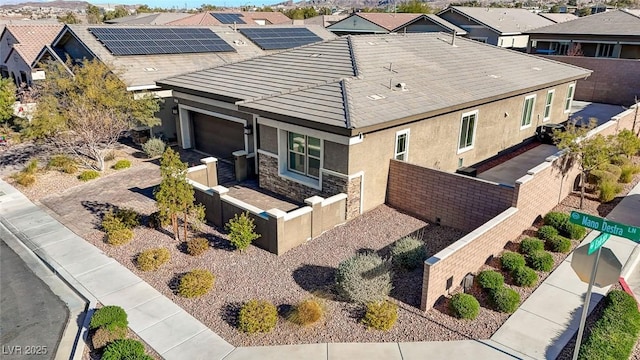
{"x": 588, "y": 152}
{"x": 174, "y": 195}
{"x": 69, "y": 18}
{"x": 241, "y": 231}
{"x": 626, "y": 143}
{"x": 7, "y": 99}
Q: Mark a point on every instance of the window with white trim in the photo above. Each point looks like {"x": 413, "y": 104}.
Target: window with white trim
{"x": 527, "y": 111}
{"x": 569, "y": 98}
{"x": 402, "y": 145}
{"x": 605, "y": 50}
{"x": 547, "y": 105}
{"x": 304, "y": 153}
{"x": 467, "y": 131}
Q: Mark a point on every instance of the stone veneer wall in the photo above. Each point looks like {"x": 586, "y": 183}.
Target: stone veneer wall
{"x": 270, "y": 179}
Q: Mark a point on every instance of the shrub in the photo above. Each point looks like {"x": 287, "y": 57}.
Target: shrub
{"x": 559, "y": 244}
{"x": 62, "y": 163}
{"x": 619, "y": 160}
{"x": 540, "y": 260}
{"x": 556, "y": 219}
{"x": 103, "y": 336}
{"x": 628, "y": 171}
{"x": 529, "y": 245}
{"x": 364, "y": 278}
{"x": 490, "y": 279}
{"x": 111, "y": 155}
{"x": 129, "y": 217}
{"x": 560, "y": 221}
{"x": 31, "y": 167}
{"x": 408, "y": 252}
{"x": 152, "y": 259}
{"x": 615, "y": 170}
{"x": 153, "y": 147}
{"x": 154, "y": 221}
{"x": 464, "y": 306}
{"x": 524, "y": 276}
{"x": 547, "y": 232}
{"x": 615, "y": 333}
{"x": 24, "y": 179}
{"x": 197, "y": 246}
{"x": 307, "y": 312}
{"x": 380, "y": 315}
{"x": 597, "y": 177}
{"x": 609, "y": 190}
{"x": 119, "y": 237}
{"x": 573, "y": 231}
{"x": 505, "y": 299}
{"x": 121, "y": 164}
{"x": 110, "y": 316}
{"x": 125, "y": 349}
{"x": 241, "y": 231}
{"x": 511, "y": 260}
{"x": 257, "y": 316}
{"x": 111, "y": 222}
{"x": 88, "y": 175}
{"x": 196, "y": 283}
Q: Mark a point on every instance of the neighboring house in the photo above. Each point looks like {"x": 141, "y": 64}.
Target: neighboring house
{"x": 148, "y": 18}
{"x": 558, "y": 17}
{"x": 327, "y": 118}
{"x": 324, "y": 20}
{"x": 503, "y": 27}
{"x": 611, "y": 34}
{"x": 213, "y": 18}
{"x": 142, "y": 62}
{"x": 383, "y": 23}
{"x": 19, "y": 47}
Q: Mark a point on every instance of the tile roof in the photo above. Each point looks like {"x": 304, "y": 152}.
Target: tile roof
{"x": 615, "y": 22}
{"x": 389, "y": 21}
{"x": 502, "y": 20}
{"x": 558, "y": 17}
{"x": 249, "y": 17}
{"x": 394, "y": 22}
{"x": 144, "y": 70}
{"x": 351, "y": 82}
{"x": 32, "y": 38}
{"x": 149, "y": 19}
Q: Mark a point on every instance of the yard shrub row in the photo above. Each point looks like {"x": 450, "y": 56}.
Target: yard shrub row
{"x": 118, "y": 225}
{"x": 515, "y": 263}
{"x": 560, "y": 221}
{"x": 502, "y": 298}
{"x": 109, "y": 324}
{"x": 464, "y": 306}
{"x": 196, "y": 283}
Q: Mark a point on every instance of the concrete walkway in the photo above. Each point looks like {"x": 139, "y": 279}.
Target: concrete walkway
{"x": 539, "y": 329}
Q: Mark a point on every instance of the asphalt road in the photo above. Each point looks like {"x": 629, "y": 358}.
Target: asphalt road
{"x": 32, "y": 317}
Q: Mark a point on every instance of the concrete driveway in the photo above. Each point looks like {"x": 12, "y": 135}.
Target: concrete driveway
{"x": 511, "y": 170}
{"x": 587, "y": 110}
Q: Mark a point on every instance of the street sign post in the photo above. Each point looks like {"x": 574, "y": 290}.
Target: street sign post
{"x": 597, "y": 243}
{"x": 605, "y": 226}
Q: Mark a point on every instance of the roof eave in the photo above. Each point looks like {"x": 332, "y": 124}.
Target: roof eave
{"x": 168, "y": 86}
{"x": 299, "y": 121}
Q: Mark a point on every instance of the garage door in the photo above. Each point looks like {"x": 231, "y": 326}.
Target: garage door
{"x": 216, "y": 136}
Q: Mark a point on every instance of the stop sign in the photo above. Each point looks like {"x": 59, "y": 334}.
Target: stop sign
{"x": 609, "y": 266}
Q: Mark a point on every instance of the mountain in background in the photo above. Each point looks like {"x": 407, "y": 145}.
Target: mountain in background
{"x": 37, "y": 3}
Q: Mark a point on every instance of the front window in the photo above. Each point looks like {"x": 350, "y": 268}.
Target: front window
{"x": 402, "y": 145}
{"x": 547, "y": 105}
{"x": 569, "y": 99}
{"x": 467, "y": 131}
{"x": 527, "y": 111}
{"x": 560, "y": 48}
{"x": 605, "y": 50}
{"x": 304, "y": 155}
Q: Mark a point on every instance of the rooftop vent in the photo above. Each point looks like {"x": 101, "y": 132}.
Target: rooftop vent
{"x": 376, "y": 97}
{"x": 239, "y": 42}
{"x": 315, "y": 55}
{"x": 401, "y": 86}
{"x": 494, "y": 76}
{"x": 149, "y": 69}
{"x": 536, "y": 68}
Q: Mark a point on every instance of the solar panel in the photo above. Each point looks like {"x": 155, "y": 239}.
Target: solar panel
{"x": 280, "y": 38}
{"x": 228, "y": 18}
{"x": 141, "y": 41}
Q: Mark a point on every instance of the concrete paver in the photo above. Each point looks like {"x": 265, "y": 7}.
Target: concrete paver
{"x": 172, "y": 331}
{"x": 372, "y": 351}
{"x": 98, "y": 280}
{"x": 151, "y": 312}
{"x": 293, "y": 352}
{"x": 465, "y": 349}
{"x": 132, "y": 296}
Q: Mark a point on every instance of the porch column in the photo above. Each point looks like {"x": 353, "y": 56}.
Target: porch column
{"x": 240, "y": 161}
{"x": 212, "y": 170}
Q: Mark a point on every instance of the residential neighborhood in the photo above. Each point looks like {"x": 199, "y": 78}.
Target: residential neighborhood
{"x": 302, "y": 181}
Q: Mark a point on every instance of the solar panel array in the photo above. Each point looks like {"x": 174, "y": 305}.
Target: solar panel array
{"x": 280, "y": 38}
{"x": 228, "y": 18}
{"x": 149, "y": 41}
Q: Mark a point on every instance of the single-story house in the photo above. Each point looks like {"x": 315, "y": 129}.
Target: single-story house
{"x": 327, "y": 118}
{"x": 157, "y": 18}
{"x": 383, "y": 23}
{"x": 558, "y": 17}
{"x": 503, "y": 27}
{"x": 213, "y": 18}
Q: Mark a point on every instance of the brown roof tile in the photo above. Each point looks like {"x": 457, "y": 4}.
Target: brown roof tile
{"x": 32, "y": 38}
{"x": 388, "y": 21}
{"x": 205, "y": 18}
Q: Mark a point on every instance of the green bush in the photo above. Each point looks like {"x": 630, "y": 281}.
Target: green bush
{"x": 615, "y": 170}
{"x": 31, "y": 167}
{"x": 62, "y": 163}
{"x": 119, "y": 237}
{"x": 103, "y": 336}
{"x": 154, "y": 221}
{"x": 529, "y": 245}
{"x": 505, "y": 300}
{"x": 111, "y": 222}
{"x": 628, "y": 171}
{"x": 307, "y": 312}
{"x": 125, "y": 349}
{"x": 364, "y": 278}
{"x": 129, "y": 217}
{"x": 122, "y": 164}
{"x": 241, "y": 231}
{"x": 511, "y": 260}
{"x": 153, "y": 147}
{"x": 257, "y": 316}
{"x": 615, "y": 333}
{"x": 599, "y": 176}
{"x": 619, "y": 160}
{"x": 24, "y": 179}
{"x": 540, "y": 260}
{"x": 408, "y": 252}
{"x": 152, "y": 259}
{"x": 464, "y": 306}
{"x": 196, "y": 283}
{"x": 88, "y": 175}
{"x": 110, "y": 316}
{"x": 608, "y": 190}
{"x": 524, "y": 276}
{"x": 547, "y": 232}
{"x": 197, "y": 246}
{"x": 556, "y": 219}
{"x": 490, "y": 279}
{"x": 380, "y": 315}
{"x": 573, "y": 231}
{"x": 559, "y": 244}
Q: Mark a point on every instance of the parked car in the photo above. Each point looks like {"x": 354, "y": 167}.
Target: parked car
{"x": 544, "y": 133}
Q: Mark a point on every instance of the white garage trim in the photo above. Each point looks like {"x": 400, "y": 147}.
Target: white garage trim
{"x": 185, "y": 124}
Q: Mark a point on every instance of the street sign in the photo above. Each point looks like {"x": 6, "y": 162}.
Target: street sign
{"x": 609, "y": 266}
{"x": 596, "y": 243}
{"x": 605, "y": 226}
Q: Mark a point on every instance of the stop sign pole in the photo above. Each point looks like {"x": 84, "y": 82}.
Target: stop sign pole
{"x": 587, "y": 300}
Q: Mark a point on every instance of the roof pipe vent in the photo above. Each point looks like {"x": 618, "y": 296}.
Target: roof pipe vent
{"x": 453, "y": 38}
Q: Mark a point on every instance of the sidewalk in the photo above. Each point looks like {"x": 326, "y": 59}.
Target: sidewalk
{"x": 539, "y": 329}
